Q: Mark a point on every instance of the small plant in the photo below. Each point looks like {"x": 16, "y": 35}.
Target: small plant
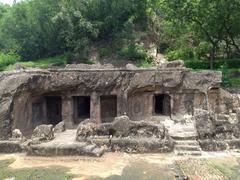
{"x": 8, "y": 59}
{"x": 104, "y": 52}
{"x": 180, "y": 54}
{"x": 134, "y": 53}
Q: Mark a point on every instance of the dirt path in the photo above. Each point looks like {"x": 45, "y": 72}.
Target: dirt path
{"x": 129, "y": 166}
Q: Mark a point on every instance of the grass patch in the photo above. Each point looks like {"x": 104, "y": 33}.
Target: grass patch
{"x": 50, "y": 173}
{"x": 41, "y": 63}
{"x": 145, "y": 64}
{"x": 229, "y": 171}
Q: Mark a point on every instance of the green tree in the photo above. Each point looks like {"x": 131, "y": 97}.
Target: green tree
{"x": 207, "y": 19}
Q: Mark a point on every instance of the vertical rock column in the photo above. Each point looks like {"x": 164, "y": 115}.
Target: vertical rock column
{"x": 122, "y": 104}
{"x": 5, "y": 117}
{"x": 95, "y": 108}
{"x": 67, "y": 111}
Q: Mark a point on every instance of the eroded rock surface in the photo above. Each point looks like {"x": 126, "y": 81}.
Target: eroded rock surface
{"x": 43, "y": 132}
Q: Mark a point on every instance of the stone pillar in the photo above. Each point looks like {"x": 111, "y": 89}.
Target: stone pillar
{"x": 122, "y": 104}
{"x": 95, "y": 108}
{"x": 151, "y": 105}
{"x": 67, "y": 111}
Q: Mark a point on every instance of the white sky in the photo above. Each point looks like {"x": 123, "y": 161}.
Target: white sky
{"x": 7, "y": 1}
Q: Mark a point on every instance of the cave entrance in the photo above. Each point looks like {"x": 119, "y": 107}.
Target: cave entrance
{"x": 81, "y": 108}
{"x": 162, "y": 104}
{"x": 108, "y": 108}
{"x": 37, "y": 114}
{"x": 54, "y": 109}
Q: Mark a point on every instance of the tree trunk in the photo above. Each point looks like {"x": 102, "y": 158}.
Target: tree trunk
{"x": 212, "y": 56}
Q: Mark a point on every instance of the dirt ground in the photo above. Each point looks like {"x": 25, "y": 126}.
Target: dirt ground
{"x": 116, "y": 166}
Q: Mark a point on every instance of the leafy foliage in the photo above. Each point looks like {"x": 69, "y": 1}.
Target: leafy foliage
{"x": 185, "y": 29}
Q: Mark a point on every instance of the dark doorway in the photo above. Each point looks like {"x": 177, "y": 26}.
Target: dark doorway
{"x": 37, "y": 114}
{"x": 54, "y": 109}
{"x": 108, "y": 108}
{"x": 162, "y": 104}
{"x": 81, "y": 108}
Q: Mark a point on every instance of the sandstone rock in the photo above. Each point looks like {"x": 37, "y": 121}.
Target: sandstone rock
{"x": 131, "y": 67}
{"x": 145, "y": 129}
{"x": 121, "y": 125}
{"x": 18, "y": 66}
{"x": 213, "y": 145}
{"x": 10, "y": 147}
{"x": 204, "y": 123}
{"x": 238, "y": 114}
{"x": 173, "y": 64}
{"x": 89, "y": 66}
{"x": 17, "y": 134}
{"x": 43, "y": 132}
{"x": 60, "y": 127}
{"x": 86, "y": 121}
{"x": 87, "y": 130}
{"x": 223, "y": 130}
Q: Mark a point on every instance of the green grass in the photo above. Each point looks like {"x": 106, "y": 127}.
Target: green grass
{"x": 41, "y": 63}
{"x": 145, "y": 65}
{"x": 50, "y": 173}
{"x": 229, "y": 171}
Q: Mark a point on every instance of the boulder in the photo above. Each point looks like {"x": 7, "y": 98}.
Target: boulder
{"x": 204, "y": 123}
{"x": 131, "y": 67}
{"x": 17, "y": 134}
{"x": 121, "y": 126}
{"x": 173, "y": 64}
{"x": 223, "y": 130}
{"x": 43, "y": 132}
{"x": 87, "y": 130}
{"x": 147, "y": 130}
{"x": 60, "y": 127}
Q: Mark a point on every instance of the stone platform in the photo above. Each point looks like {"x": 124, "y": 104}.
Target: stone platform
{"x": 65, "y": 145}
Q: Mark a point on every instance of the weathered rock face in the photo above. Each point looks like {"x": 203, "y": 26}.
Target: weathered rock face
{"x": 26, "y": 95}
{"x": 121, "y": 127}
{"x": 215, "y": 127}
{"x": 17, "y": 134}
{"x": 87, "y": 130}
{"x": 126, "y": 135}
{"x": 60, "y": 127}
{"x": 204, "y": 123}
{"x": 43, "y": 132}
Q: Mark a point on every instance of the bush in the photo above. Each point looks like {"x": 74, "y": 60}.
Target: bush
{"x": 8, "y": 59}
{"x": 180, "y": 54}
{"x": 197, "y": 64}
{"x": 104, "y": 52}
{"x": 134, "y": 53}
{"x": 218, "y": 64}
{"x": 202, "y": 49}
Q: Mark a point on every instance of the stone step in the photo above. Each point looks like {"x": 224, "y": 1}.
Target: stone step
{"x": 188, "y": 153}
{"x": 74, "y": 149}
{"x": 187, "y": 148}
{"x": 185, "y": 135}
{"x": 182, "y": 128}
{"x": 182, "y": 132}
{"x": 187, "y": 142}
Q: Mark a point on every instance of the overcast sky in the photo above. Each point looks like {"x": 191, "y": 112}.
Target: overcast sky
{"x": 7, "y": 1}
